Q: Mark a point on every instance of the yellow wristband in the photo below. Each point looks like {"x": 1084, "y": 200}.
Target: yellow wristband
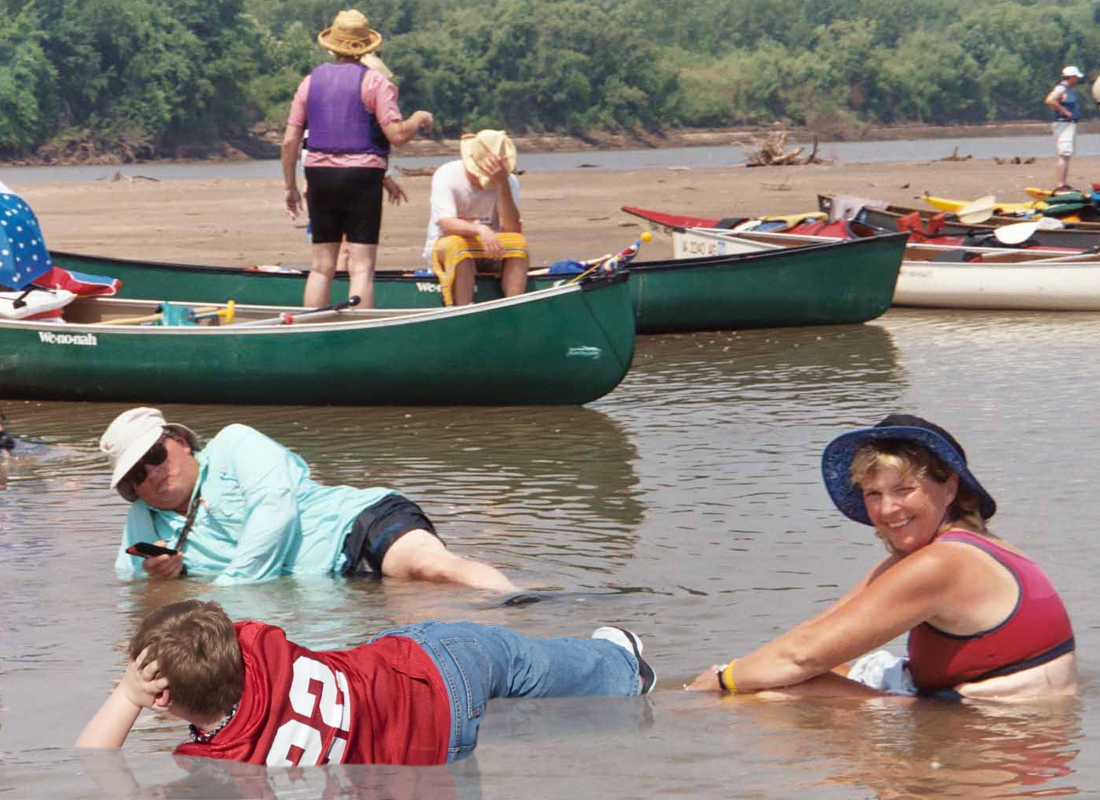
{"x": 725, "y": 677}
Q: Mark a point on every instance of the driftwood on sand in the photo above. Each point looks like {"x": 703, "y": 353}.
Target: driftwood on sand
{"x": 119, "y": 175}
{"x": 955, "y": 156}
{"x": 416, "y": 172}
{"x": 771, "y": 151}
{"x": 1015, "y": 160}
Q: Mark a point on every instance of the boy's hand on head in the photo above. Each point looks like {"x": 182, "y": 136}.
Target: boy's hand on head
{"x": 143, "y": 685}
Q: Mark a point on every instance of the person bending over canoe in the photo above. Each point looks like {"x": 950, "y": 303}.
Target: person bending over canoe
{"x": 413, "y": 695}
{"x": 353, "y": 119}
{"x": 243, "y": 508}
{"x": 984, "y": 622}
{"x": 475, "y": 221}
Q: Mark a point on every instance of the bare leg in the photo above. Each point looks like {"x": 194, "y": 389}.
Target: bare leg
{"x": 513, "y": 277}
{"x": 462, "y": 290}
{"x": 322, "y": 268}
{"x": 342, "y": 259}
{"x": 361, "y": 258}
{"x": 1062, "y": 170}
{"x": 418, "y": 555}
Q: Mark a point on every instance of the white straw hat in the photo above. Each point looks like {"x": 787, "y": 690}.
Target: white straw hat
{"x": 130, "y": 436}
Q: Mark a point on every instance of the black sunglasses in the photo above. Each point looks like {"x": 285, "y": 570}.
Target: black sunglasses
{"x": 154, "y": 456}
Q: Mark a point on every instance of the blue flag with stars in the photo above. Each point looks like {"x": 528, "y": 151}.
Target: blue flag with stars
{"x": 23, "y": 253}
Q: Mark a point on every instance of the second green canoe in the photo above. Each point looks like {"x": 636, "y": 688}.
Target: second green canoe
{"x": 842, "y": 282}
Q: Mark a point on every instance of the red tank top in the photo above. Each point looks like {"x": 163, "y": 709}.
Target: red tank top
{"x": 1038, "y": 630}
{"x": 381, "y": 703}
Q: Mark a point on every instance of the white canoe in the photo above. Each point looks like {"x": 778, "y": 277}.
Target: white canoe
{"x": 1024, "y": 280}
{"x": 1023, "y": 286}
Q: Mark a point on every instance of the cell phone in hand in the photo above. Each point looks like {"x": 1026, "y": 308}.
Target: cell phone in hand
{"x": 147, "y": 550}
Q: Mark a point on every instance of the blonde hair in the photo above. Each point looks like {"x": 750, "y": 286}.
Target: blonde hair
{"x": 195, "y": 645}
{"x": 915, "y": 460}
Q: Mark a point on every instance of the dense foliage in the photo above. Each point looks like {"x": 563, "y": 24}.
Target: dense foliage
{"x": 147, "y": 77}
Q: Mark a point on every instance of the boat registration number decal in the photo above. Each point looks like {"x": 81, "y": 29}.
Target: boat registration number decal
{"x": 690, "y": 247}
{"x": 85, "y": 339}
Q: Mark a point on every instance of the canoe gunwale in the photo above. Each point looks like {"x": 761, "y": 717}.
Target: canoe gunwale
{"x": 738, "y": 259}
{"x": 348, "y": 323}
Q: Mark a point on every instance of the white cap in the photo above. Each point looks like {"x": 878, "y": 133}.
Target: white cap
{"x": 130, "y": 436}
{"x": 1072, "y": 72}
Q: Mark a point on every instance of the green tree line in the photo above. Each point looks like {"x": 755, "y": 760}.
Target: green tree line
{"x": 142, "y": 78}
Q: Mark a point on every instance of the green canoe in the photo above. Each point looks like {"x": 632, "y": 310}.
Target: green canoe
{"x": 570, "y": 344}
{"x": 842, "y": 282}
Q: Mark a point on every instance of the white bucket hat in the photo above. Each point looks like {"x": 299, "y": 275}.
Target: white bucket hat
{"x": 475, "y": 148}
{"x": 1072, "y": 72}
{"x": 130, "y": 436}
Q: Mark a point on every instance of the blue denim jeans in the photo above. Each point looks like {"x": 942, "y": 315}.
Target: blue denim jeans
{"x": 482, "y": 662}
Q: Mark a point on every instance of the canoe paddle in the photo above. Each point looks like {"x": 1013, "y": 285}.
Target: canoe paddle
{"x": 287, "y": 318}
{"x": 193, "y": 315}
{"x": 1016, "y": 233}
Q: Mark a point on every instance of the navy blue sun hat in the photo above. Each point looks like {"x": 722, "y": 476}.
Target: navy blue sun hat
{"x": 836, "y": 461}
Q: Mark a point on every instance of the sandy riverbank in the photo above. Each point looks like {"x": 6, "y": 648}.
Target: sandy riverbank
{"x": 576, "y": 214}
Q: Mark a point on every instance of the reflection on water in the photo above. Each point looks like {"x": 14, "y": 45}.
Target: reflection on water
{"x": 687, "y": 505}
{"x": 901, "y": 749}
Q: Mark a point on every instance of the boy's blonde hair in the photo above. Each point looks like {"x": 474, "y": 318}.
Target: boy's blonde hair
{"x": 195, "y": 645}
{"x": 910, "y": 458}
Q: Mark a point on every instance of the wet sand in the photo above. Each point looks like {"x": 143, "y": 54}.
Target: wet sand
{"x": 240, "y": 222}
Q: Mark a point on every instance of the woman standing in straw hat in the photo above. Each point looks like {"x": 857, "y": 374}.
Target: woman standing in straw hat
{"x": 984, "y": 622}
{"x": 353, "y": 119}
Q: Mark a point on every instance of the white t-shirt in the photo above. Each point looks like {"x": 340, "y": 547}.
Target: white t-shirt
{"x": 454, "y": 196}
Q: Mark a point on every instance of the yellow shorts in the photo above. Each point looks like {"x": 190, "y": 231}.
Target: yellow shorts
{"x": 449, "y": 251}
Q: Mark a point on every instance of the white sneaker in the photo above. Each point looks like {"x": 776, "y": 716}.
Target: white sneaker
{"x": 628, "y": 640}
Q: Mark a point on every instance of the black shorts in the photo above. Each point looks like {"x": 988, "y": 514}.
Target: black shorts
{"x": 344, "y": 201}
{"x": 376, "y": 529}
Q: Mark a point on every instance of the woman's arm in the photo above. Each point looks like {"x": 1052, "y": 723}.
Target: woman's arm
{"x": 402, "y": 132}
{"x": 852, "y": 593}
{"x": 901, "y": 596}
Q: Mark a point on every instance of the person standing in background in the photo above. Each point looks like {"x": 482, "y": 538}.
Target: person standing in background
{"x": 1063, "y": 101}
{"x": 353, "y": 119}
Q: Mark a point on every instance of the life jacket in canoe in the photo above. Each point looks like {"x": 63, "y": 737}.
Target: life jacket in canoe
{"x": 918, "y": 229}
{"x": 837, "y": 229}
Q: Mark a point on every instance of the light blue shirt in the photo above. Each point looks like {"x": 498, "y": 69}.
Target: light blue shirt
{"x": 260, "y": 516}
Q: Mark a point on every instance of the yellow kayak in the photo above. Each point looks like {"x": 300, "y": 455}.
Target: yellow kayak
{"x": 946, "y": 204}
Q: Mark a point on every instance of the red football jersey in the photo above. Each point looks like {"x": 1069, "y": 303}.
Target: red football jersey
{"x": 381, "y": 703}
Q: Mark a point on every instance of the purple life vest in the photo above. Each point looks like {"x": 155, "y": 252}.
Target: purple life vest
{"x": 337, "y": 119}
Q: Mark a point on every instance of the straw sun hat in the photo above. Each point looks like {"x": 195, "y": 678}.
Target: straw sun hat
{"x": 476, "y": 147}
{"x": 350, "y": 35}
